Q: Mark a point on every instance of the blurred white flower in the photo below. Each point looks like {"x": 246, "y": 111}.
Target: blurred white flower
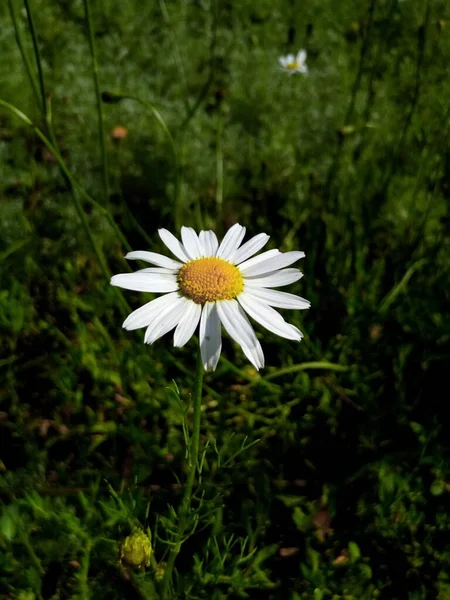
{"x": 294, "y": 64}
{"x": 212, "y": 285}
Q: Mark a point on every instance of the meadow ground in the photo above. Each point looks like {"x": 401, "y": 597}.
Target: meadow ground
{"x": 327, "y": 474}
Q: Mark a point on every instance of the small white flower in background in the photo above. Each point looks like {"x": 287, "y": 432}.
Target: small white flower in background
{"x": 213, "y": 285}
{"x": 294, "y": 64}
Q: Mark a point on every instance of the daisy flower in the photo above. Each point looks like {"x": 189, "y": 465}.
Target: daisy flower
{"x": 214, "y": 285}
{"x": 294, "y": 64}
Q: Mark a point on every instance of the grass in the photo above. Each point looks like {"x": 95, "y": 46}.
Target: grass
{"x": 327, "y": 474}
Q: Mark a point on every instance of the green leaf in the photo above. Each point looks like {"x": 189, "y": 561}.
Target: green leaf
{"x": 355, "y": 552}
{"x": 437, "y": 487}
{"x": 8, "y": 526}
{"x": 301, "y": 519}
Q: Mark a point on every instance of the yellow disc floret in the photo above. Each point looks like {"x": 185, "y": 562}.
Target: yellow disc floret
{"x": 210, "y": 279}
{"x": 292, "y": 65}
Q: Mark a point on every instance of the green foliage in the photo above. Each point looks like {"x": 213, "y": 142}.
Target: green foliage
{"x": 326, "y": 475}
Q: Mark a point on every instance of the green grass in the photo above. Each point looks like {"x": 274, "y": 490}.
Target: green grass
{"x": 326, "y": 475}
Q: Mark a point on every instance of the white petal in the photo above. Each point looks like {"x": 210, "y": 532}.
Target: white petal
{"x": 282, "y": 60}
{"x": 210, "y": 336}
{"x": 145, "y": 314}
{"x": 301, "y": 56}
{"x": 275, "y": 279}
{"x": 194, "y": 248}
{"x": 166, "y": 320}
{"x": 231, "y": 242}
{"x": 160, "y": 270}
{"x": 290, "y": 58}
{"x": 209, "y": 241}
{"x": 145, "y": 282}
{"x": 278, "y": 299}
{"x": 257, "y": 259}
{"x": 250, "y": 248}
{"x": 254, "y": 354}
{"x": 239, "y": 328}
{"x": 187, "y": 325}
{"x": 271, "y": 264}
{"x": 155, "y": 259}
{"x": 268, "y": 317}
{"x": 174, "y": 245}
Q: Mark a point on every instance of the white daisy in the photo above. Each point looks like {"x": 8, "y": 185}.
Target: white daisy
{"x": 213, "y": 285}
{"x": 294, "y": 64}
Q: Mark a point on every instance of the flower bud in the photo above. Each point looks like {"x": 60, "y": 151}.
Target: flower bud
{"x": 136, "y": 550}
{"x": 161, "y": 569}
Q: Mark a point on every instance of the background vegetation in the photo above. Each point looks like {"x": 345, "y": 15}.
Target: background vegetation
{"x": 346, "y": 493}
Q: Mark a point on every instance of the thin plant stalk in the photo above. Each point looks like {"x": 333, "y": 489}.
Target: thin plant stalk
{"x": 334, "y": 167}
{"x": 178, "y": 203}
{"x": 176, "y": 49}
{"x": 83, "y": 576}
{"x": 25, "y": 58}
{"x": 101, "y": 127}
{"x": 305, "y": 367}
{"x": 43, "y": 100}
{"x": 219, "y": 167}
{"x": 204, "y": 92}
{"x": 192, "y": 455}
{"x": 37, "y": 55}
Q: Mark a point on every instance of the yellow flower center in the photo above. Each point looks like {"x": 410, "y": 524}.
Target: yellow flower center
{"x": 293, "y": 65}
{"x": 209, "y": 279}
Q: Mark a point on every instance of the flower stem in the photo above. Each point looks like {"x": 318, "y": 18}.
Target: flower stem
{"x": 192, "y": 453}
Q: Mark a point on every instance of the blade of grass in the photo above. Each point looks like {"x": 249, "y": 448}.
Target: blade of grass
{"x": 305, "y": 367}
{"x": 400, "y": 287}
{"x": 37, "y": 55}
{"x": 25, "y": 58}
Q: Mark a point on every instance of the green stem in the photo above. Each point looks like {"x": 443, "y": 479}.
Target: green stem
{"x": 32, "y": 554}
{"x": 176, "y": 49}
{"x": 101, "y": 130}
{"x": 305, "y": 367}
{"x": 204, "y": 92}
{"x": 38, "y": 59}
{"x": 42, "y": 99}
{"x": 25, "y": 58}
{"x": 219, "y": 168}
{"x": 193, "y": 449}
{"x": 83, "y": 576}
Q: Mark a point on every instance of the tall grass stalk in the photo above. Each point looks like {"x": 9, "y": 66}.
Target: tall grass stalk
{"x": 26, "y": 60}
{"x": 37, "y": 55}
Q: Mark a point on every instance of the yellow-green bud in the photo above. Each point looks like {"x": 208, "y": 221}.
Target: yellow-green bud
{"x": 136, "y": 550}
{"x": 161, "y": 569}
